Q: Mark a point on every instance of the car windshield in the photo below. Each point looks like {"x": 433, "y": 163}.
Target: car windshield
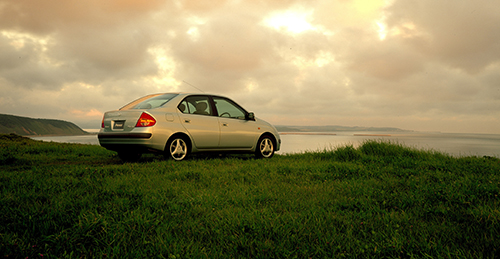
{"x": 149, "y": 102}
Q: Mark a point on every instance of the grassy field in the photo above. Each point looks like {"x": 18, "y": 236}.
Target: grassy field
{"x": 381, "y": 200}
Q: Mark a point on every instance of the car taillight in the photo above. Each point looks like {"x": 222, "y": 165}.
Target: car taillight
{"x": 145, "y": 120}
{"x": 102, "y": 123}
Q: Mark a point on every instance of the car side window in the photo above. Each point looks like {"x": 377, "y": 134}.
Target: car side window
{"x": 195, "y": 105}
{"x": 228, "y": 109}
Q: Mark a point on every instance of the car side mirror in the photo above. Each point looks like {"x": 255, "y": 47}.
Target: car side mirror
{"x": 250, "y": 116}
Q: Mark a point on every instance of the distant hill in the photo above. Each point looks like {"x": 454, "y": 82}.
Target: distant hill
{"x": 25, "y": 126}
{"x": 335, "y": 128}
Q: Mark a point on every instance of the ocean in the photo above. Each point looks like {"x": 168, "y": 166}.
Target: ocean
{"x": 455, "y": 144}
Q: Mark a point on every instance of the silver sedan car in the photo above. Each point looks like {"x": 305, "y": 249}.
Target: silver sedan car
{"x": 179, "y": 124}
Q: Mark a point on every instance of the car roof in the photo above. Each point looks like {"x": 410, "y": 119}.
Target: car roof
{"x": 192, "y": 93}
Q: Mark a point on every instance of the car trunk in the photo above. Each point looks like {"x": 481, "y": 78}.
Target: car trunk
{"x": 121, "y": 121}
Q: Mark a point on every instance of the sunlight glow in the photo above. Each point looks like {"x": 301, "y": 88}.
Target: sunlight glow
{"x": 368, "y": 8}
{"x": 292, "y": 21}
{"x": 17, "y": 39}
{"x": 194, "y": 33}
{"x": 87, "y": 86}
{"x": 93, "y": 113}
{"x": 20, "y": 40}
{"x": 407, "y": 30}
{"x": 166, "y": 68}
{"x": 251, "y": 85}
{"x": 382, "y": 30}
{"x": 322, "y": 59}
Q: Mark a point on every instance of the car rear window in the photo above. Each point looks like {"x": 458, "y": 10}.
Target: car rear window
{"x": 149, "y": 102}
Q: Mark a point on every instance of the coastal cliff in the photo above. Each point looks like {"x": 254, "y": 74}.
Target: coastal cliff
{"x": 25, "y": 126}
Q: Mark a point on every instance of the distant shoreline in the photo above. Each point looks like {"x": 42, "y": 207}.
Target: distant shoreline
{"x": 29, "y": 127}
{"x": 58, "y": 135}
{"x": 306, "y": 133}
{"x": 333, "y": 134}
{"x": 372, "y": 135}
{"x": 336, "y": 128}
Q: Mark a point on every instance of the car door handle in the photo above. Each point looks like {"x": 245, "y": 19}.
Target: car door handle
{"x": 187, "y": 120}
{"x": 224, "y": 124}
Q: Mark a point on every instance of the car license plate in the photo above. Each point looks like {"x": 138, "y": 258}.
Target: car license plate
{"x": 119, "y": 124}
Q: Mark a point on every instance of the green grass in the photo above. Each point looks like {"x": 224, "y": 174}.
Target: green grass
{"x": 381, "y": 200}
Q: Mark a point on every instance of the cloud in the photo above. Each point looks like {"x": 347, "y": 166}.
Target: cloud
{"x": 339, "y": 15}
{"x": 423, "y": 65}
{"x": 388, "y": 59}
{"x": 42, "y": 17}
{"x": 239, "y": 45}
{"x": 63, "y": 42}
{"x": 463, "y": 35}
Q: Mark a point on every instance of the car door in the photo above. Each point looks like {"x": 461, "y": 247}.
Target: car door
{"x": 235, "y": 130}
{"x": 197, "y": 117}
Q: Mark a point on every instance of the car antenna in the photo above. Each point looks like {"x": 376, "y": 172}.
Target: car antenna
{"x": 193, "y": 86}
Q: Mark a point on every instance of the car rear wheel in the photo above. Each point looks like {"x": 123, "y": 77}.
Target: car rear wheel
{"x": 265, "y": 147}
{"x": 177, "y": 148}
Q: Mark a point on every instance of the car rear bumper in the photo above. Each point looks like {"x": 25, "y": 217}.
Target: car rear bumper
{"x": 139, "y": 141}
{"x": 123, "y": 135}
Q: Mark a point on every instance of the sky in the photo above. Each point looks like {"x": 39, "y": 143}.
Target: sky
{"x": 423, "y": 65}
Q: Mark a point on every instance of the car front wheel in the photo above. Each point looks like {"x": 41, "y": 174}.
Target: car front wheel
{"x": 177, "y": 148}
{"x": 265, "y": 147}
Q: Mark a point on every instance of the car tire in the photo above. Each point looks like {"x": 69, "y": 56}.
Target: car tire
{"x": 177, "y": 148}
{"x": 128, "y": 156}
{"x": 265, "y": 147}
